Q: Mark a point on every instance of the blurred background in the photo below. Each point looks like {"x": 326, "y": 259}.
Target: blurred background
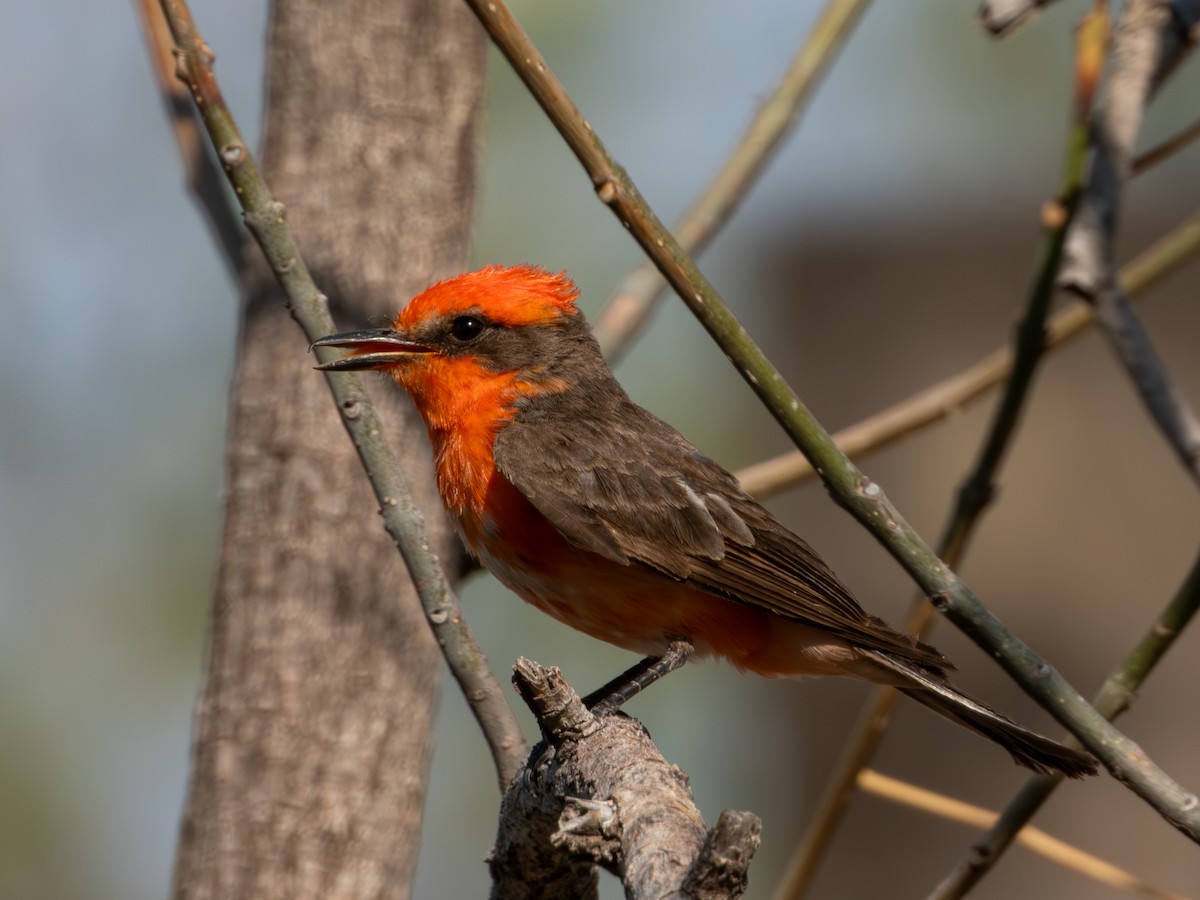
{"x": 889, "y": 246}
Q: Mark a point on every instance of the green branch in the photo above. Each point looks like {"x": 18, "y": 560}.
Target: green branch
{"x": 950, "y": 396}
{"x": 267, "y": 220}
{"x": 1110, "y": 701}
{"x": 974, "y": 495}
{"x": 627, "y": 312}
{"x": 862, "y": 497}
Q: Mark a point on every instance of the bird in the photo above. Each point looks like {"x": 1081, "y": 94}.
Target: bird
{"x": 599, "y": 513}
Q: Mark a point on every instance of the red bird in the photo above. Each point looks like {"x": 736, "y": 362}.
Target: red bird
{"x": 605, "y": 517}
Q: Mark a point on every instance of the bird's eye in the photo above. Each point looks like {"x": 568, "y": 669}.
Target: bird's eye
{"x": 466, "y": 328}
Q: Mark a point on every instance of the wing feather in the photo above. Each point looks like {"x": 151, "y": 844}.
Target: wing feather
{"x": 639, "y": 494}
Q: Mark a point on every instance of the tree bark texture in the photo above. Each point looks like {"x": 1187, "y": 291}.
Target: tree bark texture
{"x": 312, "y": 732}
{"x": 598, "y": 793}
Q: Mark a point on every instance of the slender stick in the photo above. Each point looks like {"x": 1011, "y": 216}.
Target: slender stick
{"x": 1160, "y": 392}
{"x": 616, "y": 190}
{"x": 1150, "y": 40}
{"x": 862, "y": 497}
{"x": 1034, "y": 839}
{"x": 627, "y": 312}
{"x": 1110, "y": 701}
{"x": 267, "y": 219}
{"x": 951, "y": 395}
{"x": 1002, "y": 17}
{"x": 203, "y": 177}
{"x": 1164, "y": 151}
{"x": 977, "y": 489}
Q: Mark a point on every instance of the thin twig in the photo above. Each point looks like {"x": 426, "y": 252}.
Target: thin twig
{"x": 862, "y": 497}
{"x": 977, "y": 489}
{"x": 267, "y": 220}
{"x": 617, "y": 191}
{"x": 627, "y": 312}
{"x": 1150, "y": 40}
{"x": 950, "y": 396}
{"x": 1002, "y": 17}
{"x": 203, "y": 179}
{"x": 1164, "y": 151}
{"x": 1110, "y": 701}
{"x": 1035, "y": 839}
{"x": 1148, "y": 43}
{"x": 1159, "y": 391}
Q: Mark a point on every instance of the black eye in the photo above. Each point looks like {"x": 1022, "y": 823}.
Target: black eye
{"x": 466, "y": 328}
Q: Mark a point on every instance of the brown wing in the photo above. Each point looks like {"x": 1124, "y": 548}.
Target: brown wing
{"x": 626, "y": 485}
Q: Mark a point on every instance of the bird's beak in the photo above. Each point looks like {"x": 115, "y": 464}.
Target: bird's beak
{"x": 374, "y": 349}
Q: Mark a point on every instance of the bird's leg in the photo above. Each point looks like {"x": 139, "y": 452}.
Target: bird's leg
{"x": 636, "y": 679}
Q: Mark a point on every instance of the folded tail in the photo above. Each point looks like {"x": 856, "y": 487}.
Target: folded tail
{"x": 1029, "y": 749}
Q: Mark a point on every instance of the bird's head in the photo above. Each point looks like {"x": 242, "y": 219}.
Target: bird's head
{"x": 496, "y": 334}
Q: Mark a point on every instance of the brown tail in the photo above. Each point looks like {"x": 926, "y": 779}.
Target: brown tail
{"x": 1028, "y": 749}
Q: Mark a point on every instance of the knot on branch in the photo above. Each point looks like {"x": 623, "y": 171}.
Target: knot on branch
{"x": 560, "y": 713}
{"x": 589, "y": 829}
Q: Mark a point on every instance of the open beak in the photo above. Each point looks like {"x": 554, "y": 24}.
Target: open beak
{"x": 375, "y": 348}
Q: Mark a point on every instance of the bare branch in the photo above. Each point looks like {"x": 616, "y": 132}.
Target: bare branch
{"x": 597, "y": 792}
{"x": 720, "y": 871}
{"x": 950, "y": 396}
{"x": 1111, "y": 700}
{"x": 1035, "y": 839}
{"x": 627, "y": 312}
{"x": 616, "y": 190}
{"x": 267, "y": 220}
{"x": 203, "y": 178}
{"x": 1150, "y": 40}
{"x": 976, "y": 491}
{"x": 1164, "y": 151}
{"x": 1159, "y": 392}
{"x": 1002, "y": 17}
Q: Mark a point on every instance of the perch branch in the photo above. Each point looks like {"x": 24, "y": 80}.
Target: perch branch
{"x": 597, "y": 792}
{"x": 267, "y": 220}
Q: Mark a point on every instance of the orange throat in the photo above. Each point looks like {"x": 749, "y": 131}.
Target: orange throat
{"x": 464, "y": 407}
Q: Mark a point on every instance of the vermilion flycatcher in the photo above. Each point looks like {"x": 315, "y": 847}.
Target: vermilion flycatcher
{"x": 605, "y": 517}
